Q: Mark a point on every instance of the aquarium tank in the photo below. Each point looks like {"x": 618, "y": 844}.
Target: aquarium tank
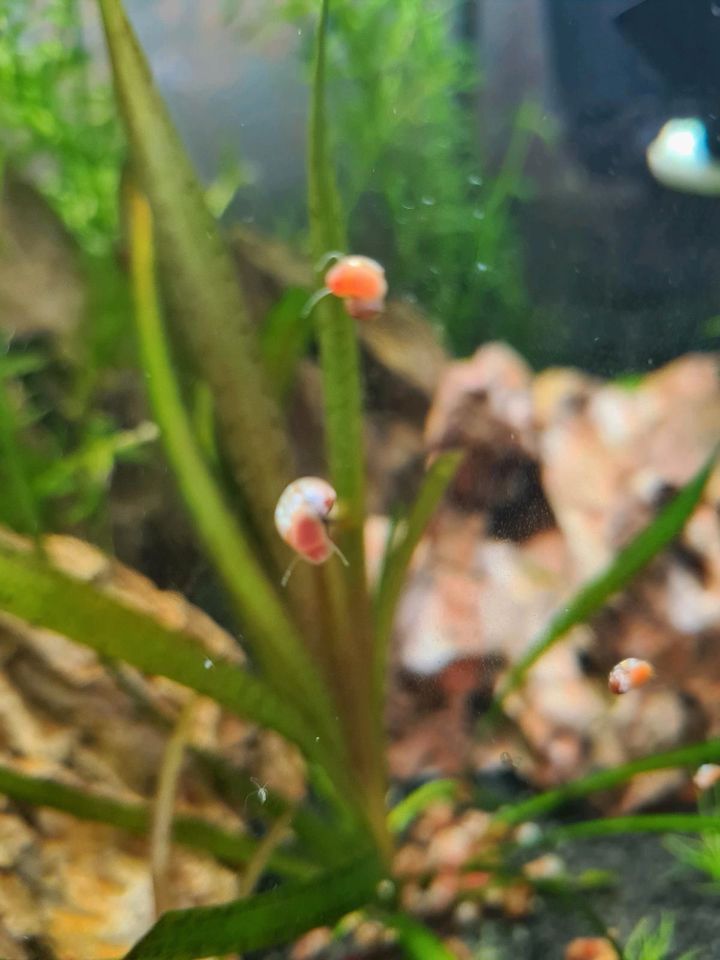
{"x": 360, "y": 514}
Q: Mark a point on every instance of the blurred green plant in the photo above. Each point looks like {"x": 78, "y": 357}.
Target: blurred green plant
{"x": 412, "y": 169}
{"x": 703, "y": 852}
{"x": 319, "y": 648}
{"x": 59, "y": 131}
{"x": 57, "y": 117}
{"x": 654, "y": 942}
{"x": 55, "y": 466}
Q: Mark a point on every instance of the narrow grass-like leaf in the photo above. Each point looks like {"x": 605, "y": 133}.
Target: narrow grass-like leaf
{"x": 286, "y": 333}
{"x": 44, "y": 597}
{"x": 641, "y": 823}
{"x": 26, "y": 513}
{"x": 276, "y": 644}
{"x": 201, "y": 284}
{"x": 260, "y": 921}
{"x": 231, "y": 848}
{"x": 349, "y": 634}
{"x": 417, "y": 942}
{"x": 339, "y": 352}
{"x": 538, "y": 806}
{"x": 593, "y": 596}
{"x": 410, "y": 807}
{"x": 404, "y": 538}
{"x": 701, "y": 854}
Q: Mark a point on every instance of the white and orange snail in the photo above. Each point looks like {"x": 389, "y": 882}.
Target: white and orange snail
{"x": 302, "y": 516}
{"x": 630, "y": 674}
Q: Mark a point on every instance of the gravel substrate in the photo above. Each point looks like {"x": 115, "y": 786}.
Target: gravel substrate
{"x": 650, "y": 883}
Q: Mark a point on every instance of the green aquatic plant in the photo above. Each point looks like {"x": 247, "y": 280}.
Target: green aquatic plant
{"x": 702, "y": 853}
{"x": 55, "y": 466}
{"x": 648, "y": 942}
{"x": 58, "y": 120}
{"x": 61, "y": 142}
{"x": 405, "y": 97}
{"x": 319, "y": 648}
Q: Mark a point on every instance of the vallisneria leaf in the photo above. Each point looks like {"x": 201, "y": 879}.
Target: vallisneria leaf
{"x": 640, "y": 823}
{"x": 593, "y": 596}
{"x": 263, "y": 920}
{"x": 18, "y": 488}
{"x": 277, "y": 645}
{"x": 348, "y": 648}
{"x": 231, "y": 848}
{"x": 404, "y": 537}
{"x": 339, "y": 351}
{"x": 286, "y": 333}
{"x": 690, "y": 757}
{"x": 202, "y": 286}
{"x": 34, "y": 592}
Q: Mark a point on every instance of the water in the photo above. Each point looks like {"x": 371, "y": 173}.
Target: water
{"x": 534, "y": 184}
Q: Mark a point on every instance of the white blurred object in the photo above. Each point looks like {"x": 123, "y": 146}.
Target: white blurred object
{"x": 679, "y": 158}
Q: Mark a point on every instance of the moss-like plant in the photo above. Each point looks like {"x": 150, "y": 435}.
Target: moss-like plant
{"x": 319, "y": 647}
{"x": 404, "y": 93}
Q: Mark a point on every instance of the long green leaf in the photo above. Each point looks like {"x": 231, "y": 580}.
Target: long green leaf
{"x": 260, "y": 921}
{"x": 349, "y": 635}
{"x": 275, "y": 642}
{"x": 417, "y": 941}
{"x": 44, "y": 597}
{"x": 641, "y": 823}
{"x": 339, "y": 352}
{"x": 286, "y": 333}
{"x": 26, "y": 511}
{"x": 593, "y": 596}
{"x": 690, "y": 757}
{"x": 202, "y": 284}
{"x": 404, "y": 538}
{"x": 230, "y": 848}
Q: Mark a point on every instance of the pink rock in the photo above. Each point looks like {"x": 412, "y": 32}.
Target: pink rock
{"x": 450, "y": 847}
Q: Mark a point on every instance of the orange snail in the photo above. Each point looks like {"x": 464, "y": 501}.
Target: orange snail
{"x": 358, "y": 281}
{"x": 301, "y": 519}
{"x": 630, "y": 674}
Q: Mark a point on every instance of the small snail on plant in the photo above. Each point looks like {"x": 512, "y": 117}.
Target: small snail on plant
{"x": 358, "y": 281}
{"x": 301, "y": 518}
